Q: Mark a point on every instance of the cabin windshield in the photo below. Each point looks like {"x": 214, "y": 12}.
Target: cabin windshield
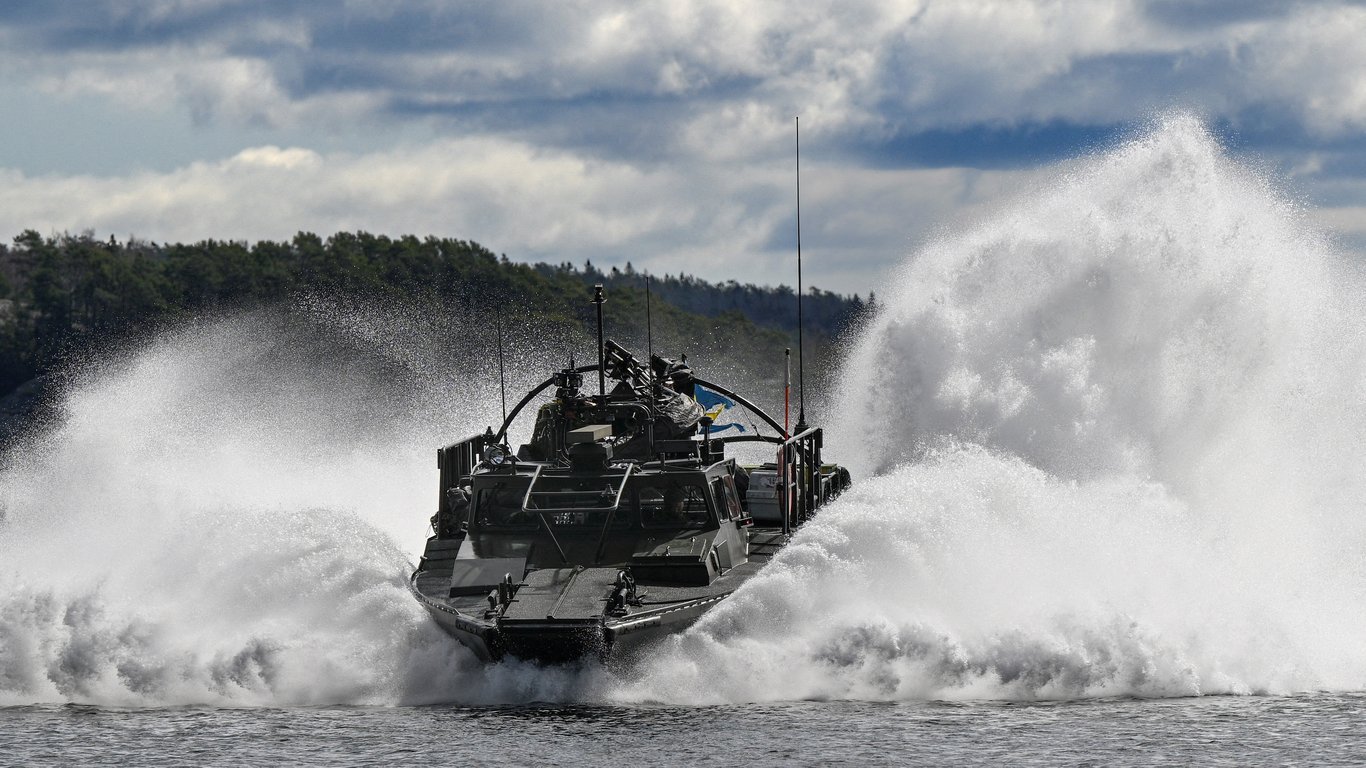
{"x": 568, "y": 502}
{"x": 580, "y": 501}
{"x": 666, "y": 503}
{"x": 500, "y": 506}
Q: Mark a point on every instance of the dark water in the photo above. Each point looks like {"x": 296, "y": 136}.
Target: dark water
{"x": 1318, "y": 729}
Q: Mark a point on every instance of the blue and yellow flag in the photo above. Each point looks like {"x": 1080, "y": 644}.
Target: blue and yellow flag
{"x": 718, "y": 408}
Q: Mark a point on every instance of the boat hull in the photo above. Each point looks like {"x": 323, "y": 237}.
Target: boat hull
{"x": 558, "y": 641}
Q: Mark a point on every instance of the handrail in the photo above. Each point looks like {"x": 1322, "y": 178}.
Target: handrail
{"x": 545, "y": 523}
{"x": 799, "y": 462}
{"x": 531, "y": 489}
{"x": 456, "y": 462}
{"x": 775, "y": 439}
{"x": 611, "y": 514}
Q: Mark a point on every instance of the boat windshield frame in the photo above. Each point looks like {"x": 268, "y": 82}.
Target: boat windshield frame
{"x": 647, "y": 501}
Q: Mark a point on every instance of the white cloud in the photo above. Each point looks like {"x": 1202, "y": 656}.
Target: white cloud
{"x": 530, "y": 203}
{"x": 1316, "y": 63}
{"x": 646, "y": 131}
{"x": 1347, "y": 223}
{"x": 904, "y": 66}
{"x": 208, "y": 85}
{"x": 1010, "y": 61}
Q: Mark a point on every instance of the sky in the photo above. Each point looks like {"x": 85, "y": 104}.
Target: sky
{"x": 656, "y": 133}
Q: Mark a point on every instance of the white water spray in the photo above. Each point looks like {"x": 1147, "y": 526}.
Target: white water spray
{"x": 229, "y": 516}
{"x": 1116, "y": 439}
{"x": 1106, "y": 443}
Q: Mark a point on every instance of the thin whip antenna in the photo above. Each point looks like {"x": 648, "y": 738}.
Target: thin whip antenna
{"x": 801, "y": 351}
{"x": 649, "y": 330}
{"x": 787, "y": 391}
{"x": 598, "y": 299}
{"x": 650, "y": 363}
{"x": 502, "y": 379}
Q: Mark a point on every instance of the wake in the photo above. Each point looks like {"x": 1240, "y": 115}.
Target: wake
{"x": 1114, "y": 434}
{"x": 1106, "y": 442}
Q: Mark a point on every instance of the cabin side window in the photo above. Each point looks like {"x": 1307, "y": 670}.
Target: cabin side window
{"x": 673, "y": 505}
{"x": 726, "y": 497}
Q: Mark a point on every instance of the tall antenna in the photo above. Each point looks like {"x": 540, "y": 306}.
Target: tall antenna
{"x": 650, "y": 364}
{"x": 787, "y": 391}
{"x": 502, "y": 380}
{"x": 649, "y": 331}
{"x": 598, "y": 299}
{"x": 801, "y": 356}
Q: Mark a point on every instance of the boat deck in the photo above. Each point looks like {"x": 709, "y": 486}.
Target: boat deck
{"x": 549, "y": 592}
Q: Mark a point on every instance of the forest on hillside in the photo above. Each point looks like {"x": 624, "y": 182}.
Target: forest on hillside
{"x": 63, "y": 295}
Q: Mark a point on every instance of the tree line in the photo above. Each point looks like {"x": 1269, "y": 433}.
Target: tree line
{"x": 61, "y": 294}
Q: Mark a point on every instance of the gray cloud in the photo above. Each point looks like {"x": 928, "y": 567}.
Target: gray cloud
{"x": 1183, "y": 14}
{"x": 532, "y": 203}
{"x": 672, "y": 101}
{"x": 896, "y": 67}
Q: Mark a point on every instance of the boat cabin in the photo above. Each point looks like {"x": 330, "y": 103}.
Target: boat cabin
{"x": 668, "y": 525}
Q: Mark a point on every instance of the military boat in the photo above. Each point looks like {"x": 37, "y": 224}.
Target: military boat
{"x": 624, "y": 518}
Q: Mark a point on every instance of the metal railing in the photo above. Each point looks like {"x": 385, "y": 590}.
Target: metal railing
{"x": 456, "y": 463}
{"x": 799, "y": 472}
{"x": 532, "y": 495}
